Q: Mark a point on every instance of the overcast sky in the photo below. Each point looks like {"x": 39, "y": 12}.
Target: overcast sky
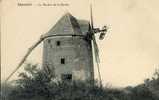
{"x": 129, "y": 53}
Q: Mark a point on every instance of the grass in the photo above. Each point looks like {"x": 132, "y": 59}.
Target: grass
{"x": 35, "y": 84}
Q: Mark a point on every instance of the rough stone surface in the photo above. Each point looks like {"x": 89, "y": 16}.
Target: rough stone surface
{"x": 76, "y": 50}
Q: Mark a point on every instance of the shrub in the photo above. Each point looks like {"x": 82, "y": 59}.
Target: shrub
{"x": 37, "y": 84}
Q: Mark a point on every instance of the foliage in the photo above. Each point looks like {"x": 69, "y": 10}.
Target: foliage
{"x": 153, "y": 83}
{"x": 37, "y": 84}
{"x": 6, "y": 89}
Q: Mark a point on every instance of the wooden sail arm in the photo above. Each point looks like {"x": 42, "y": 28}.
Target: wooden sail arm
{"x": 33, "y": 47}
{"x": 25, "y": 57}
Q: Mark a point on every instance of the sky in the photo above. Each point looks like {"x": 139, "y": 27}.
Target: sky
{"x": 128, "y": 55}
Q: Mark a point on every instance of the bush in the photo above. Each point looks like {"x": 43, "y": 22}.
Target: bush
{"x": 153, "y": 83}
{"x": 38, "y": 84}
{"x": 6, "y": 89}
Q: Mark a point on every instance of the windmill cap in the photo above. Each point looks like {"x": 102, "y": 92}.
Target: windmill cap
{"x": 68, "y": 24}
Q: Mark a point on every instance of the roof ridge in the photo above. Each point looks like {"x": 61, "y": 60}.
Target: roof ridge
{"x": 68, "y": 24}
{"x": 68, "y": 14}
{"x": 76, "y": 21}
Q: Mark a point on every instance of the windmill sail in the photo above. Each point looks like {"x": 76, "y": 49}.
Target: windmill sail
{"x": 96, "y": 50}
{"x": 92, "y": 26}
{"x": 95, "y": 46}
{"x": 25, "y": 57}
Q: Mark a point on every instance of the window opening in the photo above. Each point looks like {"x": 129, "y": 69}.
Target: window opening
{"x": 66, "y": 77}
{"x": 62, "y": 60}
{"x": 58, "y": 43}
{"x": 49, "y": 41}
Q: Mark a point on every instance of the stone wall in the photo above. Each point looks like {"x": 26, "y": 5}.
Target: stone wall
{"x": 77, "y": 53}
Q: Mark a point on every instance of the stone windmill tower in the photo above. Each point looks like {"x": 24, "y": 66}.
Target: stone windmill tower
{"x": 69, "y": 53}
{"x": 68, "y": 49}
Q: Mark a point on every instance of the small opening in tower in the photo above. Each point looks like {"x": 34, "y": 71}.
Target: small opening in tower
{"x": 66, "y": 77}
{"x": 58, "y": 43}
{"x": 49, "y": 41}
{"x": 62, "y": 60}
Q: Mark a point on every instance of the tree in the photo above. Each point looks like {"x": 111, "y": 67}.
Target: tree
{"x": 35, "y": 84}
{"x": 32, "y": 82}
{"x": 38, "y": 84}
{"x": 153, "y": 83}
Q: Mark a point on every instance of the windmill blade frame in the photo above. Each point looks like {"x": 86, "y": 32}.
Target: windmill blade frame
{"x": 95, "y": 46}
{"x": 96, "y": 49}
{"x": 25, "y": 57}
{"x": 96, "y": 55}
{"x": 91, "y": 16}
{"x": 43, "y": 37}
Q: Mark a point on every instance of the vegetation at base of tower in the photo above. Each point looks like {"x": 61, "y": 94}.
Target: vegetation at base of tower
{"x": 36, "y": 84}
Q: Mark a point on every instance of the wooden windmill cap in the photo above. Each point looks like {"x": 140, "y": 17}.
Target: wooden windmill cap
{"x": 68, "y": 24}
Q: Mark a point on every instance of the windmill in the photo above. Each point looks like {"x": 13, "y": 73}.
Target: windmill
{"x": 93, "y": 31}
{"x": 77, "y": 38}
